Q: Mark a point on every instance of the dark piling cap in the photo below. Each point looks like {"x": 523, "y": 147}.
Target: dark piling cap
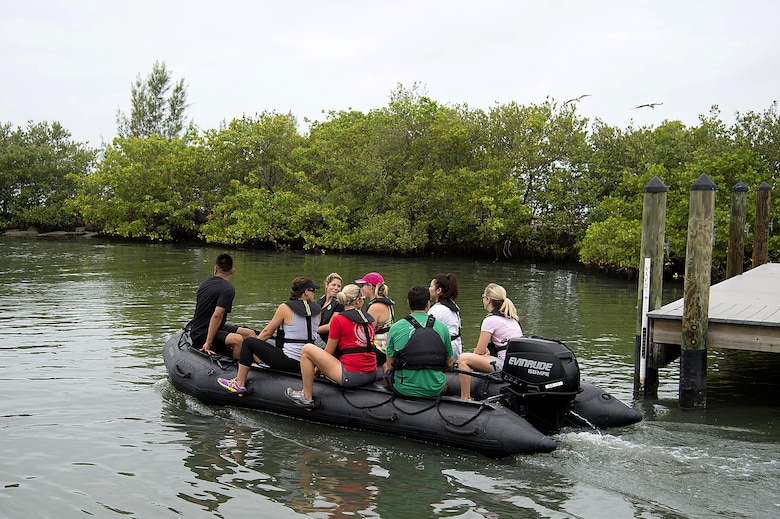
{"x": 703, "y": 183}
{"x": 655, "y": 186}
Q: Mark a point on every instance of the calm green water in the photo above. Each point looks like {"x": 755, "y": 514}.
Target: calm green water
{"x": 90, "y": 426}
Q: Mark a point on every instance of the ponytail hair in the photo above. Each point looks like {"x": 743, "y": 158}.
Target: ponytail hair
{"x": 448, "y": 284}
{"x": 499, "y": 301}
{"x": 380, "y": 290}
{"x": 349, "y": 294}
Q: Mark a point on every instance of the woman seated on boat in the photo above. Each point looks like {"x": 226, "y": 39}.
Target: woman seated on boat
{"x": 329, "y": 303}
{"x": 444, "y": 292}
{"x": 496, "y": 330}
{"x": 349, "y": 358}
{"x": 295, "y": 323}
{"x": 380, "y": 307}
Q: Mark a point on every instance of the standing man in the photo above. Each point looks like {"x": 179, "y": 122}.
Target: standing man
{"x": 419, "y": 349}
{"x": 214, "y": 301}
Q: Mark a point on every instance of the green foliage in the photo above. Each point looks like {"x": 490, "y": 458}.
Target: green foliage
{"x": 535, "y": 181}
{"x": 678, "y": 156}
{"x": 157, "y": 107}
{"x": 613, "y": 244}
{"x": 544, "y": 148}
{"x": 463, "y": 210}
{"x": 257, "y": 151}
{"x": 37, "y": 165}
{"x": 257, "y": 216}
{"x": 761, "y": 133}
{"x": 392, "y": 231}
{"x": 270, "y": 200}
{"x": 145, "y": 189}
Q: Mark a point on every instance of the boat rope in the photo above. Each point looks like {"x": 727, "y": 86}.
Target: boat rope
{"x": 394, "y": 400}
{"x": 481, "y": 408}
{"x": 435, "y": 403}
{"x": 223, "y": 362}
{"x": 391, "y": 399}
{"x": 184, "y": 338}
{"x": 371, "y": 406}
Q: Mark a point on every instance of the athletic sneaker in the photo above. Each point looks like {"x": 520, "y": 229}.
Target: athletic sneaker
{"x": 298, "y": 398}
{"x": 231, "y": 385}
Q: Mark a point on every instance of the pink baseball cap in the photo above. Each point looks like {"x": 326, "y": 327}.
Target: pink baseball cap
{"x": 373, "y": 278}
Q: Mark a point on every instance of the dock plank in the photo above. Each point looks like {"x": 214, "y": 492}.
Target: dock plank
{"x": 744, "y": 313}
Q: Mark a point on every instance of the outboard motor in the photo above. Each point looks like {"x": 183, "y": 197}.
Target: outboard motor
{"x": 544, "y": 379}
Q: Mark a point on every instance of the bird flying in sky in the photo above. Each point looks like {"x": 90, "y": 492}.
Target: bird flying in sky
{"x": 575, "y": 99}
{"x": 648, "y": 105}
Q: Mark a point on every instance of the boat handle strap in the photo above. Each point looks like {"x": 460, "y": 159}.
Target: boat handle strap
{"x": 182, "y": 373}
{"x": 392, "y": 417}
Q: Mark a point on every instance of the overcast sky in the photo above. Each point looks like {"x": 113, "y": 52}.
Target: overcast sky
{"x": 74, "y": 61}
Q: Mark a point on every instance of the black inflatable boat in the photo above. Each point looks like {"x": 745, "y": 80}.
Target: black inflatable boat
{"x": 538, "y": 393}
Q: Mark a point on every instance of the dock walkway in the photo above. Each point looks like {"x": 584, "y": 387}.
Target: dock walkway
{"x": 744, "y": 313}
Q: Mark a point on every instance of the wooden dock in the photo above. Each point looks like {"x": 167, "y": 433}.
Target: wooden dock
{"x": 744, "y": 314}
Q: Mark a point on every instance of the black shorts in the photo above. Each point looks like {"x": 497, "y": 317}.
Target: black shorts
{"x": 218, "y": 344}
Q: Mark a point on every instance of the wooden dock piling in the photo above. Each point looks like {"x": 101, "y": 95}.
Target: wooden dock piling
{"x": 740, "y": 313}
{"x": 735, "y": 258}
{"x": 649, "y": 295}
{"x": 698, "y": 266}
{"x": 761, "y": 233}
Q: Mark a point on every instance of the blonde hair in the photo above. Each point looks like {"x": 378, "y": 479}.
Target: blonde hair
{"x": 331, "y": 277}
{"x": 349, "y": 294}
{"x": 380, "y": 290}
{"x": 499, "y": 300}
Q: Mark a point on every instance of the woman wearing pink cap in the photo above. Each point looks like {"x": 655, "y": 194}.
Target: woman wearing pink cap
{"x": 380, "y": 307}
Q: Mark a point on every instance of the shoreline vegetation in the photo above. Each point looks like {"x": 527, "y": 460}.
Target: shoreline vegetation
{"x": 516, "y": 182}
{"x": 34, "y": 233}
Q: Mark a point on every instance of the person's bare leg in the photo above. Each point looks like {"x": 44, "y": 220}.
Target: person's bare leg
{"x": 313, "y": 357}
{"x": 246, "y": 332}
{"x": 471, "y": 362}
{"x": 234, "y": 341}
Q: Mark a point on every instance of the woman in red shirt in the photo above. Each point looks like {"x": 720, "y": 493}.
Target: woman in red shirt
{"x": 349, "y": 358}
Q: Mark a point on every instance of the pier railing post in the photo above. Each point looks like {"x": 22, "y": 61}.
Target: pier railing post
{"x": 649, "y": 295}
{"x": 761, "y": 233}
{"x": 735, "y": 259}
{"x": 696, "y": 306}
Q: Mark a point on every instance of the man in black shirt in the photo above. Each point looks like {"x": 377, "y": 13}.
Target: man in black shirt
{"x": 208, "y": 327}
